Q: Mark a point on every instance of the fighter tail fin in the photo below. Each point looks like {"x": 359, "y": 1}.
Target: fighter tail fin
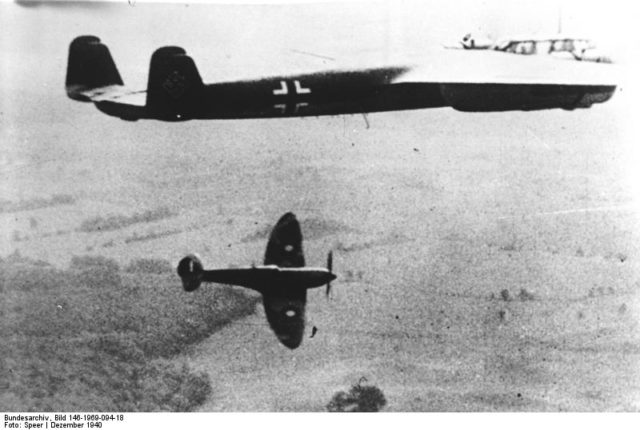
{"x": 175, "y": 87}
{"x": 90, "y": 66}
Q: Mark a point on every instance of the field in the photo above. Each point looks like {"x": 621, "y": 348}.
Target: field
{"x": 480, "y": 267}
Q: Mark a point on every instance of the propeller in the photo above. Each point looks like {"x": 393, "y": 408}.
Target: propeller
{"x": 329, "y": 268}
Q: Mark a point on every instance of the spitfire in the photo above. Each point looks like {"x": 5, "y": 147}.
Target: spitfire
{"x": 283, "y": 280}
{"x": 469, "y": 80}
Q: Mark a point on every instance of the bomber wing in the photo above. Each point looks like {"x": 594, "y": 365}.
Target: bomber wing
{"x": 485, "y": 66}
{"x": 491, "y": 81}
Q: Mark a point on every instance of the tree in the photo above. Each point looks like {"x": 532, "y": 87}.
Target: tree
{"x": 360, "y": 398}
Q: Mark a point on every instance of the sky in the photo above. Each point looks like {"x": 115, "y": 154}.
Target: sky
{"x": 235, "y": 41}
{"x": 228, "y": 41}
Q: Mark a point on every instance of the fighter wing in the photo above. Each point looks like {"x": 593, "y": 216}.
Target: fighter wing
{"x": 284, "y": 248}
{"x": 285, "y": 314}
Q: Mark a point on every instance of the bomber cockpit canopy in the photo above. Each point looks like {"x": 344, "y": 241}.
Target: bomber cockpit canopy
{"x": 560, "y": 45}
{"x": 532, "y": 46}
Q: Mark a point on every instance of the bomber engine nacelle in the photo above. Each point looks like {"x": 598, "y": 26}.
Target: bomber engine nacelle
{"x": 503, "y": 97}
{"x": 190, "y": 270}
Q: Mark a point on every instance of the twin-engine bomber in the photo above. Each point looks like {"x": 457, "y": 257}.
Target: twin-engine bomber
{"x": 467, "y": 80}
{"x": 283, "y": 280}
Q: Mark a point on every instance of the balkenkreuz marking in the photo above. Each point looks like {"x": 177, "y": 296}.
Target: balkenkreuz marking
{"x": 175, "y": 85}
{"x": 299, "y": 89}
{"x": 283, "y": 90}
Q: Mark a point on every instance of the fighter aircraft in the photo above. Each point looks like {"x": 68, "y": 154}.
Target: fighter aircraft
{"x": 474, "y": 81}
{"x": 283, "y": 280}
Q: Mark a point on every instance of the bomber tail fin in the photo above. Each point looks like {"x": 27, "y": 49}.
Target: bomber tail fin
{"x": 90, "y": 66}
{"x": 175, "y": 87}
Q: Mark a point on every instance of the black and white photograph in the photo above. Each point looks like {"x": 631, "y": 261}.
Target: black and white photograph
{"x": 308, "y": 206}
